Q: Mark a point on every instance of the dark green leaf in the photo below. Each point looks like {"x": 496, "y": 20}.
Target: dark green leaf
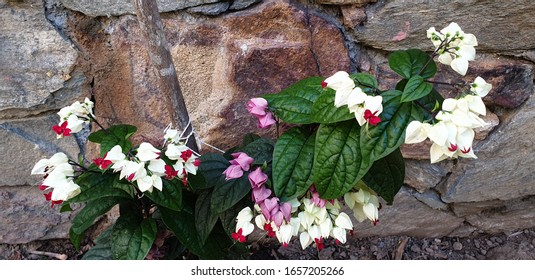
{"x": 183, "y": 225}
{"x": 113, "y": 135}
{"x": 92, "y": 210}
{"x": 228, "y": 218}
{"x": 324, "y": 111}
{"x": 205, "y": 219}
{"x": 76, "y": 239}
{"x": 294, "y": 104}
{"x": 411, "y": 63}
{"x": 102, "y": 248}
{"x": 170, "y": 196}
{"x": 430, "y": 101}
{"x": 212, "y": 167}
{"x": 197, "y": 181}
{"x": 382, "y": 139}
{"x": 386, "y": 175}
{"x": 95, "y": 186}
{"x": 293, "y": 159}
{"x": 364, "y": 80}
{"x": 338, "y": 163}
{"x": 249, "y": 138}
{"x": 132, "y": 236}
{"x": 227, "y": 193}
{"x": 66, "y": 207}
{"x": 261, "y": 150}
{"x": 415, "y": 88}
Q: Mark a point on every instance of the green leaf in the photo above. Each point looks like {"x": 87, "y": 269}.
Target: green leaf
{"x": 386, "y": 175}
{"x": 206, "y": 220}
{"x": 76, "y": 239}
{"x": 293, "y": 159}
{"x": 294, "y": 104}
{"x": 249, "y": 138}
{"x": 227, "y": 193}
{"x": 183, "y": 225}
{"x": 261, "y": 150}
{"x": 95, "y": 186}
{"x": 170, "y": 196}
{"x": 131, "y": 240}
{"x": 430, "y": 102}
{"x": 412, "y": 62}
{"x": 102, "y": 248}
{"x": 365, "y": 80}
{"x": 113, "y": 135}
{"x": 197, "y": 181}
{"x": 212, "y": 167}
{"x": 92, "y": 210}
{"x": 415, "y": 88}
{"x": 65, "y": 207}
{"x": 338, "y": 163}
{"x": 382, "y": 139}
{"x": 324, "y": 111}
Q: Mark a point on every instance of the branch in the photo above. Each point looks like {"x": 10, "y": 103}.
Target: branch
{"x": 152, "y": 27}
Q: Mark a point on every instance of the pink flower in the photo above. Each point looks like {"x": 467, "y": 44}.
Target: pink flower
{"x": 257, "y": 106}
{"x": 316, "y": 200}
{"x": 266, "y": 121}
{"x": 270, "y": 207}
{"x": 233, "y": 172}
{"x": 257, "y": 178}
{"x": 243, "y": 160}
{"x": 260, "y": 194}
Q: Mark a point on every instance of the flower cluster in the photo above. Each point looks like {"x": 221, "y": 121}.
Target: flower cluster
{"x": 365, "y": 107}
{"x": 311, "y": 218}
{"x": 147, "y": 167}
{"x": 58, "y": 176}
{"x": 454, "y": 47}
{"x": 241, "y": 162}
{"x": 73, "y": 117}
{"x": 258, "y": 107}
{"x": 453, "y": 133}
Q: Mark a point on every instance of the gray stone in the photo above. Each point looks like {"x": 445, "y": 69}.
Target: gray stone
{"x": 519, "y": 214}
{"x": 504, "y": 168}
{"x": 408, "y": 216}
{"x": 27, "y": 216}
{"x": 345, "y": 2}
{"x": 121, "y": 7}
{"x": 421, "y": 175}
{"x": 242, "y": 4}
{"x": 37, "y": 64}
{"x": 490, "y": 21}
{"x": 210, "y": 9}
{"x": 463, "y": 209}
{"x": 24, "y": 142}
{"x": 431, "y": 199}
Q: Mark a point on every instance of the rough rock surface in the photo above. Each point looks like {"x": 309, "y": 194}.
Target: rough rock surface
{"x": 121, "y": 7}
{"x": 36, "y": 73}
{"x": 387, "y": 18}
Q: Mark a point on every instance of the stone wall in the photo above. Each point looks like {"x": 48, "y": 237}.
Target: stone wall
{"x": 57, "y": 51}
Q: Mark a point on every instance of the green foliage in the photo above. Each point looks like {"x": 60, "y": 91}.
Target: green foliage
{"x": 415, "y": 88}
{"x": 170, "y": 196}
{"x": 412, "y": 62}
{"x": 203, "y": 213}
{"x": 386, "y": 175}
{"x": 294, "y": 104}
{"x": 293, "y": 160}
{"x": 102, "y": 248}
{"x": 226, "y": 193}
{"x": 338, "y": 161}
{"x": 114, "y": 135}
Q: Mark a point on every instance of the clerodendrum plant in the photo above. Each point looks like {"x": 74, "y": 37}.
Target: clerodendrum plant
{"x": 342, "y": 149}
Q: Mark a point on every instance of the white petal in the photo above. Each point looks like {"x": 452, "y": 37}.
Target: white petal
{"x": 415, "y": 133}
{"x": 343, "y": 221}
{"x": 460, "y": 65}
{"x": 305, "y": 239}
{"x": 340, "y": 234}
{"x": 438, "y": 133}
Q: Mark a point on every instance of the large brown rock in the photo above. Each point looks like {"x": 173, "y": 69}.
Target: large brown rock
{"x": 36, "y": 72}
{"x": 121, "y": 7}
{"x": 490, "y": 21}
{"x": 221, "y": 63}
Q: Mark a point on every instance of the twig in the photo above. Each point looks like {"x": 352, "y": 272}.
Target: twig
{"x": 49, "y": 254}
{"x": 401, "y": 248}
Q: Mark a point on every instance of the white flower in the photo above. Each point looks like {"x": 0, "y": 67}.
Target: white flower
{"x": 157, "y": 167}
{"x": 416, "y": 132}
{"x": 455, "y": 48}
{"x": 366, "y": 108}
{"x": 147, "y": 152}
{"x": 343, "y": 221}
{"x": 45, "y": 166}
{"x": 174, "y": 151}
{"x": 65, "y": 190}
{"x": 342, "y": 84}
{"x": 340, "y": 234}
{"x": 284, "y": 234}
{"x": 480, "y": 87}
{"x": 133, "y": 170}
{"x": 147, "y": 182}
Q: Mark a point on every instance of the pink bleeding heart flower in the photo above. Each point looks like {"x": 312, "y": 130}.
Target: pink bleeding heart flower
{"x": 243, "y": 160}
{"x": 260, "y": 194}
{"x": 257, "y": 106}
{"x": 233, "y": 172}
{"x": 270, "y": 207}
{"x": 257, "y": 178}
{"x": 266, "y": 121}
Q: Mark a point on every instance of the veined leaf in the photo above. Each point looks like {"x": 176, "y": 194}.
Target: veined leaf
{"x": 386, "y": 175}
{"x": 412, "y": 62}
{"x": 170, "y": 196}
{"x": 205, "y": 219}
{"x": 324, "y": 111}
{"x": 415, "y": 88}
{"x": 226, "y": 193}
{"x": 92, "y": 210}
{"x": 338, "y": 162}
{"x": 293, "y": 159}
{"x": 212, "y": 167}
{"x": 113, "y": 135}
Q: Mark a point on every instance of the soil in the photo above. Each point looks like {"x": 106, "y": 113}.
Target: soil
{"x": 518, "y": 245}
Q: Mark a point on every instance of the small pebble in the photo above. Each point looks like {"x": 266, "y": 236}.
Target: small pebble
{"x": 429, "y": 250}
{"x": 490, "y": 243}
{"x": 457, "y": 246}
{"x": 415, "y": 248}
{"x": 533, "y": 242}
{"x": 373, "y": 248}
{"x": 477, "y": 244}
{"x": 437, "y": 240}
{"x": 483, "y": 252}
